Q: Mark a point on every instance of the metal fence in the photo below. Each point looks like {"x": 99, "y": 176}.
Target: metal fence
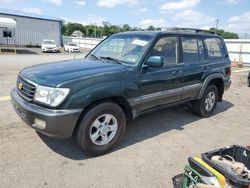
{"x": 86, "y": 43}
{"x": 239, "y": 49}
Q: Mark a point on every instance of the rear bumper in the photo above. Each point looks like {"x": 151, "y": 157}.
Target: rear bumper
{"x": 58, "y": 123}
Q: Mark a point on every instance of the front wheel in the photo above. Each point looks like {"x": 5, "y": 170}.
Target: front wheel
{"x": 101, "y": 128}
{"x": 205, "y": 106}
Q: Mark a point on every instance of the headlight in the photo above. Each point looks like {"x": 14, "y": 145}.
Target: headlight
{"x": 51, "y": 96}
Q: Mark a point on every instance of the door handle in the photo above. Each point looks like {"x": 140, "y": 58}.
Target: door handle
{"x": 178, "y": 72}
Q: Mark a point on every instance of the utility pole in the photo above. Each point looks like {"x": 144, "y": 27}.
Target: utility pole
{"x": 217, "y": 23}
{"x": 95, "y": 29}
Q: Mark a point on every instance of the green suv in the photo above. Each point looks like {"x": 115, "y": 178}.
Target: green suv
{"x": 126, "y": 75}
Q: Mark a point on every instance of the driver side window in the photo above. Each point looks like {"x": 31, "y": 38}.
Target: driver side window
{"x": 167, "y": 47}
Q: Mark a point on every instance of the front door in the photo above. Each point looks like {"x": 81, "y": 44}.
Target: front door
{"x": 162, "y": 85}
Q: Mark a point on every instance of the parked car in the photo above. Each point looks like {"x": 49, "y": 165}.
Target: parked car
{"x": 71, "y": 47}
{"x": 49, "y": 46}
{"x": 126, "y": 75}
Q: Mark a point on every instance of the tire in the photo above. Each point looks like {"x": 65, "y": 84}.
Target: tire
{"x": 205, "y": 107}
{"x": 106, "y": 115}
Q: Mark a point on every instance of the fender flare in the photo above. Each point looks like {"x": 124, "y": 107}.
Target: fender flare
{"x": 208, "y": 80}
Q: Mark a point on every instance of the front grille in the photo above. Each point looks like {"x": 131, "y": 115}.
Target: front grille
{"x": 25, "y": 88}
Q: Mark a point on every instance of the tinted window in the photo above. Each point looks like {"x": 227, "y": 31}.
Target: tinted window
{"x": 214, "y": 48}
{"x": 48, "y": 42}
{"x": 193, "y": 49}
{"x": 201, "y": 50}
{"x": 190, "y": 49}
{"x": 167, "y": 47}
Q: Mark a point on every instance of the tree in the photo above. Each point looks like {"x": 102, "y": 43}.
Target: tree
{"x": 106, "y": 28}
{"x": 63, "y": 27}
{"x": 126, "y": 27}
{"x": 114, "y": 29}
{"x": 225, "y": 34}
{"x": 151, "y": 28}
{"x": 95, "y": 31}
{"x": 71, "y": 27}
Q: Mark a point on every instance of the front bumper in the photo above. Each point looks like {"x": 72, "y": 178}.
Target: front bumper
{"x": 59, "y": 123}
{"x": 227, "y": 84}
{"x": 74, "y": 50}
{"x": 49, "y": 49}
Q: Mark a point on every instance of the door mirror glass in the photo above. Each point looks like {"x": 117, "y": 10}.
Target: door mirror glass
{"x": 154, "y": 61}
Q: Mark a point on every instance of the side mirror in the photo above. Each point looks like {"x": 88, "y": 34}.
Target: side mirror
{"x": 154, "y": 61}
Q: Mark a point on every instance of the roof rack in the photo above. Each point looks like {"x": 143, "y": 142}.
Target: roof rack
{"x": 190, "y": 30}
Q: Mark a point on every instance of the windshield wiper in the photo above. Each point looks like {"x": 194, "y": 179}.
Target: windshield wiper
{"x": 112, "y": 59}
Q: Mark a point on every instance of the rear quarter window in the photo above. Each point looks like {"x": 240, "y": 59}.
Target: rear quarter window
{"x": 215, "y": 49}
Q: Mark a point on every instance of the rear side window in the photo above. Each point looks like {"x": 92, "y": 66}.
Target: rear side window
{"x": 192, "y": 49}
{"x": 214, "y": 48}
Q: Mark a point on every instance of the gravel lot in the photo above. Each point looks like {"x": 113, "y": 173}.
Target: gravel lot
{"x": 155, "y": 148}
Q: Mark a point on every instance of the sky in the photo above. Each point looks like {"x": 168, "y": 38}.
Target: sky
{"x": 233, "y": 15}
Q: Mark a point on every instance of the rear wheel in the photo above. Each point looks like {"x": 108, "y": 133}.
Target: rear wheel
{"x": 205, "y": 106}
{"x": 101, "y": 128}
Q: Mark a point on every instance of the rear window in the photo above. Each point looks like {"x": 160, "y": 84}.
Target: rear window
{"x": 214, "y": 48}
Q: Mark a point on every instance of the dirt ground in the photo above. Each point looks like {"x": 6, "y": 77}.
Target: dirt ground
{"x": 155, "y": 148}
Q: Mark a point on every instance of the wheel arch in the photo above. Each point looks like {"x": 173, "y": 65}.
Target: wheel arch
{"x": 217, "y": 80}
{"x": 119, "y": 100}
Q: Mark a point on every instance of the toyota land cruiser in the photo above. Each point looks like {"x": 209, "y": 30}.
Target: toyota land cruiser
{"x": 126, "y": 75}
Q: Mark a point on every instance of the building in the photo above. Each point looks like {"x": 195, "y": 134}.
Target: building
{"x": 77, "y": 33}
{"x": 30, "y": 29}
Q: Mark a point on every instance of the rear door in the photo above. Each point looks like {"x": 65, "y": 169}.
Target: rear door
{"x": 162, "y": 85}
{"x": 217, "y": 55}
{"x": 195, "y": 65}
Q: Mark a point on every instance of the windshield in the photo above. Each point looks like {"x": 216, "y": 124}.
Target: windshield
{"x": 127, "y": 49}
{"x": 71, "y": 44}
{"x": 48, "y": 42}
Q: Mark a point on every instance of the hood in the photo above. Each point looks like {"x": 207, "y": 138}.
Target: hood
{"x": 53, "y": 74}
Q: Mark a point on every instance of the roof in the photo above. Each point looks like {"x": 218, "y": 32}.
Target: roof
{"x": 27, "y": 15}
{"x": 151, "y": 33}
{"x": 7, "y": 22}
{"x": 159, "y": 33}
